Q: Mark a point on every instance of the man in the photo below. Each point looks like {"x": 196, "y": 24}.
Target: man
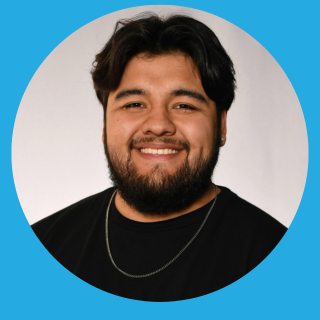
{"x": 164, "y": 232}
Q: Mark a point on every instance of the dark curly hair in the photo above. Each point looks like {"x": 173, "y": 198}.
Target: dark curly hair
{"x": 154, "y": 35}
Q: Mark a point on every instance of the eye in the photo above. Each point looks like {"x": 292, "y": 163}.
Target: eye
{"x": 134, "y": 105}
{"x": 184, "y": 106}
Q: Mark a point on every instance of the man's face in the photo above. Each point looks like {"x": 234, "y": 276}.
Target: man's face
{"x": 161, "y": 128}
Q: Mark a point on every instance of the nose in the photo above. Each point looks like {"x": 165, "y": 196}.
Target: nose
{"x": 158, "y": 122}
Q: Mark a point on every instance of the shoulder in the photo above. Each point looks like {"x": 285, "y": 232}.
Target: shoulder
{"x": 75, "y": 216}
{"x": 246, "y": 214}
{"x": 255, "y": 232}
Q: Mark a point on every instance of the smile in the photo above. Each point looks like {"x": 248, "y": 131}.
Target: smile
{"x": 158, "y": 151}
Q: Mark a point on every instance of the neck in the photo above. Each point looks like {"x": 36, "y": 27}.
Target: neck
{"x": 132, "y": 214}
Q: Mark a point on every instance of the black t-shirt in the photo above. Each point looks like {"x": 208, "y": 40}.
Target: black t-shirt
{"x": 236, "y": 237}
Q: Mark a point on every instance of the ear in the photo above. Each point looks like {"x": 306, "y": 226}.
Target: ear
{"x": 223, "y": 131}
{"x": 104, "y": 129}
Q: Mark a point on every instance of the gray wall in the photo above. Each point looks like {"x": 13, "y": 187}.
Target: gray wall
{"x": 57, "y": 153}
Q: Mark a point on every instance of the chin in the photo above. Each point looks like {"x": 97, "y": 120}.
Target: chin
{"x": 161, "y": 187}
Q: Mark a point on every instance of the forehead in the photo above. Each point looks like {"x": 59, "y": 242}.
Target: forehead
{"x": 161, "y": 71}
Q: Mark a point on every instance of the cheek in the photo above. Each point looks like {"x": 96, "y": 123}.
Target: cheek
{"x": 113, "y": 128}
{"x": 119, "y": 131}
{"x": 200, "y": 135}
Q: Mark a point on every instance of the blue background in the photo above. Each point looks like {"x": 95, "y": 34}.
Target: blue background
{"x": 34, "y": 285}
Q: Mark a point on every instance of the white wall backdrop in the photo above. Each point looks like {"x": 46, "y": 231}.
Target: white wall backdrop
{"x": 57, "y": 152}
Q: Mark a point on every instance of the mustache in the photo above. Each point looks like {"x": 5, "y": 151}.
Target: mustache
{"x": 175, "y": 142}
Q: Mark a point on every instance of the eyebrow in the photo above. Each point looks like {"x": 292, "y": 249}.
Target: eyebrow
{"x": 129, "y": 92}
{"x": 189, "y": 93}
{"x": 176, "y": 93}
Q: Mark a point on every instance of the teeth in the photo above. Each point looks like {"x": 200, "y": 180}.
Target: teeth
{"x": 158, "y": 151}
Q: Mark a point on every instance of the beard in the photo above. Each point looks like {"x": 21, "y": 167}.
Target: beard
{"x": 158, "y": 192}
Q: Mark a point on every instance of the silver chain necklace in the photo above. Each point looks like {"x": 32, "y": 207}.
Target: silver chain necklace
{"x": 167, "y": 264}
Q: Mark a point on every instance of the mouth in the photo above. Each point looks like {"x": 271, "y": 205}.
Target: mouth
{"x": 158, "y": 151}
